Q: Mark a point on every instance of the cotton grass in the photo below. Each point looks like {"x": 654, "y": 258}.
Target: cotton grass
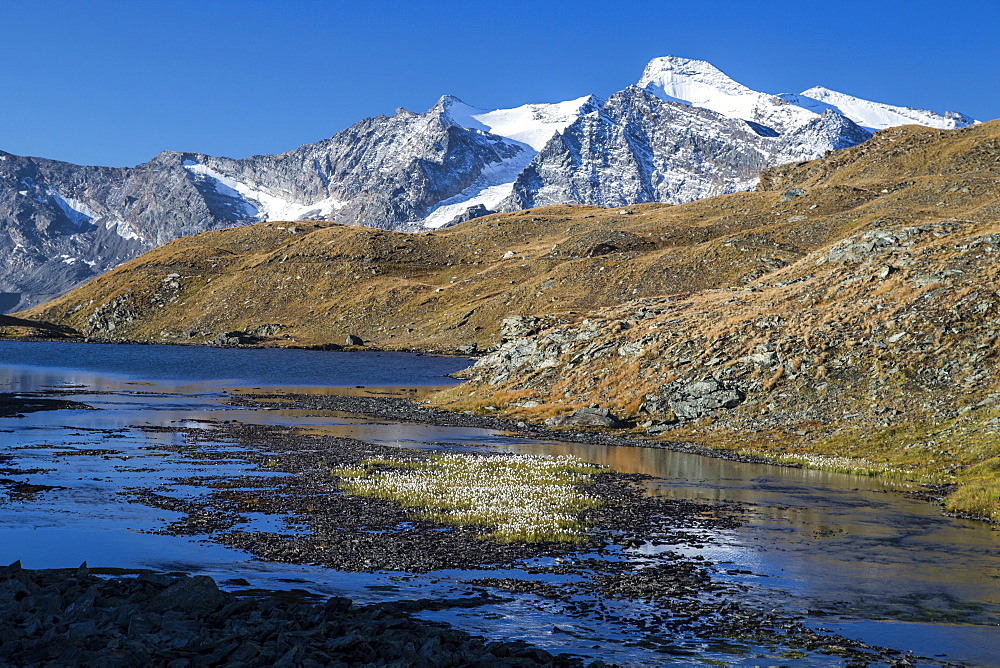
{"x": 517, "y": 497}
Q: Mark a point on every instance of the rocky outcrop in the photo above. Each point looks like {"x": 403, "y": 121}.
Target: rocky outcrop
{"x": 235, "y": 338}
{"x": 701, "y": 398}
{"x": 588, "y": 416}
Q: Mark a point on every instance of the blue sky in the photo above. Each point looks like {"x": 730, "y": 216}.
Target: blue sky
{"x": 114, "y": 82}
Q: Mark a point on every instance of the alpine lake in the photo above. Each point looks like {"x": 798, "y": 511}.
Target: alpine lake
{"x": 191, "y": 460}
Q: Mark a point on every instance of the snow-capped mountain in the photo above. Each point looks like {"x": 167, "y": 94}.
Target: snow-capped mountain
{"x": 875, "y": 115}
{"x": 701, "y": 84}
{"x": 684, "y": 131}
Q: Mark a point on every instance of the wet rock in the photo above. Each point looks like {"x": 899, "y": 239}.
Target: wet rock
{"x": 15, "y": 404}
{"x": 198, "y": 594}
{"x": 159, "y": 619}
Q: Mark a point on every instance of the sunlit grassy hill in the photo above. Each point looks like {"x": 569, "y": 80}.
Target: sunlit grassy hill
{"x": 436, "y": 290}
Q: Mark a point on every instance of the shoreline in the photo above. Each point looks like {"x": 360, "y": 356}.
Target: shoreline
{"x": 674, "y": 585}
{"x": 407, "y": 410}
{"x": 931, "y": 492}
{"x": 670, "y": 598}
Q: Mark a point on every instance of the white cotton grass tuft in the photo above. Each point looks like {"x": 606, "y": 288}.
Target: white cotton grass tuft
{"x": 517, "y": 497}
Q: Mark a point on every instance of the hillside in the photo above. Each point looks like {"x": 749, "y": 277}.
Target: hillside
{"x": 874, "y": 353}
{"x": 844, "y": 315}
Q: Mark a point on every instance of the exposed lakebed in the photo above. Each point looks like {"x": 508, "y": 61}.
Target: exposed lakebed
{"x": 169, "y": 475}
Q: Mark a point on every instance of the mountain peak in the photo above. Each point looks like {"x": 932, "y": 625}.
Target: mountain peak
{"x": 448, "y": 102}
{"x": 459, "y": 113}
{"x": 695, "y": 82}
{"x": 701, "y": 84}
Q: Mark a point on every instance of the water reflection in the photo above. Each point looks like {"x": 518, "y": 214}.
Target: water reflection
{"x": 842, "y": 550}
{"x": 824, "y": 536}
{"x": 222, "y": 366}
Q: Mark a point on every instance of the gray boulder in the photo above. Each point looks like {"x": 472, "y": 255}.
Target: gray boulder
{"x": 355, "y": 340}
{"x": 270, "y": 329}
{"x": 470, "y": 348}
{"x": 702, "y": 398}
{"x": 587, "y": 417}
{"x": 234, "y": 338}
{"x": 191, "y": 594}
{"x": 519, "y": 326}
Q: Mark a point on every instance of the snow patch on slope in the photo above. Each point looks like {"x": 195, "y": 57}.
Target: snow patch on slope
{"x": 259, "y": 204}
{"x": 876, "y": 115}
{"x": 495, "y": 184}
{"x": 78, "y": 213}
{"x": 531, "y": 124}
{"x": 122, "y": 228}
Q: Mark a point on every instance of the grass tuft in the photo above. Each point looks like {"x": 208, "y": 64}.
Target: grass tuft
{"x": 516, "y": 497}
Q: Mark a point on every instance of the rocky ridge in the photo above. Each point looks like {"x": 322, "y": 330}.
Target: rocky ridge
{"x": 665, "y": 140}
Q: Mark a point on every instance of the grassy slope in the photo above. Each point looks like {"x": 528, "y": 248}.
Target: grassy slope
{"x": 885, "y": 361}
{"x": 398, "y": 290}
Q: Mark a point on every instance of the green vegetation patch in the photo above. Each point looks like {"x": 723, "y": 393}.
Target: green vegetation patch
{"x": 963, "y": 451}
{"x": 979, "y": 491}
{"x": 516, "y": 497}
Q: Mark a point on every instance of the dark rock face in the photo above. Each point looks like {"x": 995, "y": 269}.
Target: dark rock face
{"x": 477, "y": 211}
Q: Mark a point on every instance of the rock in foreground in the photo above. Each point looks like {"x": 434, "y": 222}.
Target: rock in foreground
{"x": 65, "y": 617}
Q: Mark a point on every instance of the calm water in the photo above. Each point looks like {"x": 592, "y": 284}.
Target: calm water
{"x": 844, "y": 551}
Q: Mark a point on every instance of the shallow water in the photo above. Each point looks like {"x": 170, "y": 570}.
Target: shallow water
{"x": 846, "y": 552}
